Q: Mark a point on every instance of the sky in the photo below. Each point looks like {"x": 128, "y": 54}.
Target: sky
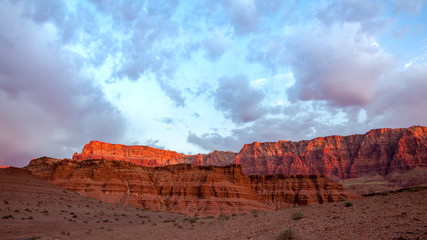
{"x": 197, "y": 76}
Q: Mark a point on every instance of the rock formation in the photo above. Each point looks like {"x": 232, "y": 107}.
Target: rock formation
{"x": 185, "y": 188}
{"x": 379, "y": 151}
{"x": 151, "y": 157}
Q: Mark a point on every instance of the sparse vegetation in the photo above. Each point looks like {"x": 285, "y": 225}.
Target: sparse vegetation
{"x": 287, "y": 234}
{"x": 223, "y": 217}
{"x": 297, "y": 215}
{"x": 5, "y": 202}
{"x": 169, "y": 220}
{"x": 348, "y": 204}
{"x": 209, "y": 217}
{"x": 7, "y": 217}
{"x": 191, "y": 220}
{"x": 254, "y": 211}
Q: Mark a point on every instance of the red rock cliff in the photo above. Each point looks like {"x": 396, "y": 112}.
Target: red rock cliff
{"x": 379, "y": 151}
{"x": 151, "y": 157}
{"x": 185, "y": 188}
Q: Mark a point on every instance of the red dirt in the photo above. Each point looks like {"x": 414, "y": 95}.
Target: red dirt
{"x": 393, "y": 216}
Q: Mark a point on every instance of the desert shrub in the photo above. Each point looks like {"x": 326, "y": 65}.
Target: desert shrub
{"x": 254, "y": 211}
{"x": 287, "y": 234}
{"x": 5, "y": 202}
{"x": 142, "y": 222}
{"x": 385, "y": 193}
{"x": 169, "y": 220}
{"x": 30, "y": 218}
{"x": 234, "y": 214}
{"x": 297, "y": 215}
{"x": 7, "y": 217}
{"x": 223, "y": 217}
{"x": 348, "y": 204}
{"x": 209, "y": 217}
{"x": 193, "y": 220}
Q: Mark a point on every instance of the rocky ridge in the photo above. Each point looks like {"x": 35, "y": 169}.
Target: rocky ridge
{"x": 150, "y": 157}
{"x": 379, "y": 151}
{"x": 186, "y": 188}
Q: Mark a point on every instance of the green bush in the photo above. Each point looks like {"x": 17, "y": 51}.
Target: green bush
{"x": 287, "y": 234}
{"x": 297, "y": 215}
{"x": 348, "y": 204}
{"x": 254, "y": 211}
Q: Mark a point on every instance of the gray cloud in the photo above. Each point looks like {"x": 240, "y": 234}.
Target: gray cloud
{"x": 215, "y": 46}
{"x": 412, "y": 7}
{"x": 244, "y": 15}
{"x": 366, "y": 13}
{"x": 214, "y": 141}
{"x": 238, "y": 100}
{"x": 339, "y": 65}
{"x": 47, "y": 107}
{"x": 401, "y": 100}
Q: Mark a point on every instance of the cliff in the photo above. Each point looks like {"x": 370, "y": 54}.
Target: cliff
{"x": 151, "y": 157}
{"x": 379, "y": 151}
{"x": 185, "y": 188}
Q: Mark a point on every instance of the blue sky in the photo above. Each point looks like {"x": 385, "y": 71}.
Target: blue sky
{"x": 194, "y": 76}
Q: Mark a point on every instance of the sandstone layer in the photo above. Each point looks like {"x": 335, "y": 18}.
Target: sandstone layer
{"x": 186, "y": 188}
{"x": 151, "y": 157}
{"x": 379, "y": 151}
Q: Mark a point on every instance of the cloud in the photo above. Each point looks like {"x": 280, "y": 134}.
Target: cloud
{"x": 243, "y": 14}
{"x": 238, "y": 100}
{"x": 153, "y": 143}
{"x": 340, "y": 65}
{"x": 47, "y": 106}
{"x": 267, "y": 129}
{"x": 401, "y": 98}
{"x": 412, "y": 7}
{"x": 214, "y": 141}
{"x": 215, "y": 46}
{"x": 367, "y": 13}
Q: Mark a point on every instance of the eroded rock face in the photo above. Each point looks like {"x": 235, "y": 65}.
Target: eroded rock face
{"x": 151, "y": 157}
{"x": 185, "y": 188}
{"x": 142, "y": 155}
{"x": 380, "y": 151}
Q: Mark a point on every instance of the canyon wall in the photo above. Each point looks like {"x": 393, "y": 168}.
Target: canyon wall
{"x": 186, "y": 188}
{"x": 379, "y": 151}
{"x": 150, "y": 157}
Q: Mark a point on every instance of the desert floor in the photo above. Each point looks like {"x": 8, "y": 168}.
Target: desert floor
{"x": 31, "y": 208}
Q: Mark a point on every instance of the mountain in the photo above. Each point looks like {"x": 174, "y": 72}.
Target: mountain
{"x": 186, "y": 188}
{"x": 379, "y": 151}
{"x": 150, "y": 157}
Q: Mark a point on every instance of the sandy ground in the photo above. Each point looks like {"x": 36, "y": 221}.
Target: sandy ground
{"x": 31, "y": 208}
